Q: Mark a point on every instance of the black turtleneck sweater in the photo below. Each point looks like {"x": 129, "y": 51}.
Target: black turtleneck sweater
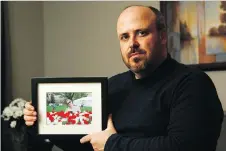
{"x": 176, "y": 108}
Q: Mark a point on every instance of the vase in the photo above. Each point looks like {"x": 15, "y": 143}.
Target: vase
{"x": 18, "y": 136}
{"x": 14, "y": 139}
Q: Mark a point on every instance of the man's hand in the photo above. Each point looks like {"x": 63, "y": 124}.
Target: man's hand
{"x": 98, "y": 140}
{"x": 30, "y": 115}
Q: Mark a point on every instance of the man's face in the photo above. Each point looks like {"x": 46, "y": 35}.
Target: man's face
{"x": 139, "y": 38}
{"x": 70, "y": 104}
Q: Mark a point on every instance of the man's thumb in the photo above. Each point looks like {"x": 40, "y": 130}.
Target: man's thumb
{"x": 110, "y": 122}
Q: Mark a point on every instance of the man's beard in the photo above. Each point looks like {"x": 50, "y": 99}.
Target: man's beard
{"x": 141, "y": 64}
{"x": 137, "y": 65}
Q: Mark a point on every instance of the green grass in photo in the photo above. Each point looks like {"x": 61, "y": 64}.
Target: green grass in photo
{"x": 57, "y": 108}
{"x": 86, "y": 108}
{"x": 64, "y": 107}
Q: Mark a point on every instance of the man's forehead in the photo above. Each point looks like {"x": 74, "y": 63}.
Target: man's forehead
{"x": 134, "y": 25}
{"x": 135, "y": 17}
{"x": 136, "y": 9}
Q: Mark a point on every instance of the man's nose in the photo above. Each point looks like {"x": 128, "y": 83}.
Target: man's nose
{"x": 134, "y": 44}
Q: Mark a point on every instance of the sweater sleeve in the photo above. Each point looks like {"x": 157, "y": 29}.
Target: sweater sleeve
{"x": 35, "y": 143}
{"x": 195, "y": 121}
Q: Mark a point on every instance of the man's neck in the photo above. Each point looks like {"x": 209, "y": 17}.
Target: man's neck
{"x": 149, "y": 70}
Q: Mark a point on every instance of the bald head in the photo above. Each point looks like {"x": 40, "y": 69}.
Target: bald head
{"x": 135, "y": 14}
{"x": 159, "y": 18}
{"x": 136, "y": 10}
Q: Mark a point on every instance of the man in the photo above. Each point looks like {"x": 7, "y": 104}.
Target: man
{"x": 72, "y": 107}
{"x": 159, "y": 104}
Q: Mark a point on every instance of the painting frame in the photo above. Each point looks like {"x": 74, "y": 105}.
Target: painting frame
{"x": 98, "y": 86}
{"x": 214, "y": 66}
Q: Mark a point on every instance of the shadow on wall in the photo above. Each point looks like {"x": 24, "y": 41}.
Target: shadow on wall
{"x": 221, "y": 142}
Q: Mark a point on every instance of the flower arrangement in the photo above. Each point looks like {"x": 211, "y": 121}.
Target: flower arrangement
{"x": 68, "y": 117}
{"x": 14, "y": 111}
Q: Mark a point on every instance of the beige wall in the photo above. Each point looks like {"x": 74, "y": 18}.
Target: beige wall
{"x": 219, "y": 79}
{"x": 79, "y": 40}
{"x": 26, "y": 32}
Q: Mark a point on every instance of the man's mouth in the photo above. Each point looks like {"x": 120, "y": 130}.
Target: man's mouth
{"x": 135, "y": 54}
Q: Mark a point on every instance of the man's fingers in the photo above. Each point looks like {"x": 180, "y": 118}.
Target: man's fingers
{"x": 29, "y": 123}
{"x": 29, "y": 113}
{"x": 29, "y": 106}
{"x": 110, "y": 123}
{"x": 30, "y": 118}
{"x": 85, "y": 139}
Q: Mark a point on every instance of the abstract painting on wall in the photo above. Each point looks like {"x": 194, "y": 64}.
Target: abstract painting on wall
{"x": 197, "y": 32}
{"x": 216, "y": 29}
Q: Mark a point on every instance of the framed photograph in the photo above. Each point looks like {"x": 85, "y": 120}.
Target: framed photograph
{"x": 197, "y": 36}
{"x": 69, "y": 107}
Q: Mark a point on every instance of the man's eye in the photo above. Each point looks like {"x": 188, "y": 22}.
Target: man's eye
{"x": 142, "y": 33}
{"x": 124, "y": 37}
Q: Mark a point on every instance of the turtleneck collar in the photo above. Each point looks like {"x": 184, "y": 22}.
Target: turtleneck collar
{"x": 160, "y": 72}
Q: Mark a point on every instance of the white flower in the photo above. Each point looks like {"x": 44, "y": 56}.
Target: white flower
{"x": 13, "y": 124}
{"x": 6, "y": 118}
{"x": 14, "y": 110}
{"x": 48, "y": 121}
{"x": 64, "y": 120}
{"x": 55, "y": 122}
{"x": 21, "y": 104}
{"x": 7, "y": 112}
{"x": 17, "y": 114}
{"x": 77, "y": 119}
{"x": 16, "y": 101}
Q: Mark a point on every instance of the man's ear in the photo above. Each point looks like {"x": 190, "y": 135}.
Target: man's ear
{"x": 163, "y": 37}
